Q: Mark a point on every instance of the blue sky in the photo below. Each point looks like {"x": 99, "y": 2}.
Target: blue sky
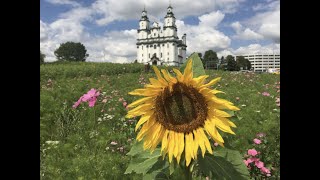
{"x": 108, "y": 27}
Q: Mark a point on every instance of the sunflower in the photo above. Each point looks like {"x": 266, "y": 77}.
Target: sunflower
{"x": 179, "y": 112}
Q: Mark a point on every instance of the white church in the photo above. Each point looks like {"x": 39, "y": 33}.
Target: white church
{"x": 160, "y": 46}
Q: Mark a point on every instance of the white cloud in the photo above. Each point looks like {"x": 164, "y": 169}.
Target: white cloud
{"x": 258, "y": 49}
{"x": 246, "y": 34}
{"x": 212, "y": 19}
{"x": 267, "y": 23}
{"x": 64, "y": 2}
{"x": 204, "y": 36}
{"x": 131, "y": 9}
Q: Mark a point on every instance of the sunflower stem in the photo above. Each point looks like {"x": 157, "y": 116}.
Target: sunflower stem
{"x": 188, "y": 174}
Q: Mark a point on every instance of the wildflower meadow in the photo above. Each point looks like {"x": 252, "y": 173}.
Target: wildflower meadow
{"x": 86, "y": 133}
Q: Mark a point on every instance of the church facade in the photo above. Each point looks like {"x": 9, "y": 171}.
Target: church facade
{"x": 160, "y": 46}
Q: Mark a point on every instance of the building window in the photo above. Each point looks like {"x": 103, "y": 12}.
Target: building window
{"x": 161, "y": 55}
{"x": 154, "y": 34}
{"x": 154, "y": 46}
{"x": 167, "y": 45}
{"x": 142, "y": 47}
{"x": 162, "y": 44}
{"x": 147, "y": 46}
{"x": 142, "y": 55}
{"x": 168, "y": 53}
{"x": 138, "y": 47}
{"x": 149, "y": 55}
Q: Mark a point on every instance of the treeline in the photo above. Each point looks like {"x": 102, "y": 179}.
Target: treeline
{"x": 210, "y": 60}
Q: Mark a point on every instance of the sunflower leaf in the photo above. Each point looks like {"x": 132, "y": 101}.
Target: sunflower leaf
{"x": 225, "y": 164}
{"x": 142, "y": 161}
{"x": 197, "y": 65}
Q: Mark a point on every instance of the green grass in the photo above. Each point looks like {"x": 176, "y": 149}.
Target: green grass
{"x": 84, "y": 150}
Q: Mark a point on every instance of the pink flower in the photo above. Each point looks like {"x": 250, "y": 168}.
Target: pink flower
{"x": 104, "y": 100}
{"x": 245, "y": 162}
{"x": 215, "y": 144}
{"x": 260, "y": 135}
{"x": 259, "y": 164}
{"x": 257, "y": 141}
{"x": 124, "y": 104}
{"x": 76, "y": 104}
{"x": 265, "y": 94}
{"x": 90, "y": 97}
{"x": 252, "y": 152}
{"x": 121, "y": 99}
{"x": 265, "y": 170}
{"x": 237, "y": 98}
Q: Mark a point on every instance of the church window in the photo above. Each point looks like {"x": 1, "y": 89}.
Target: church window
{"x": 149, "y": 55}
{"x": 154, "y": 34}
{"x": 142, "y": 55}
{"x": 161, "y": 54}
{"x": 142, "y": 47}
{"x": 162, "y": 44}
{"x": 168, "y": 53}
{"x": 154, "y": 46}
{"x": 168, "y": 45}
{"x": 138, "y": 47}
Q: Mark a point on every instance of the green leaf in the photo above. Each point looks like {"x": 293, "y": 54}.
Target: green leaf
{"x": 158, "y": 171}
{"x": 225, "y": 164}
{"x": 142, "y": 160}
{"x": 197, "y": 65}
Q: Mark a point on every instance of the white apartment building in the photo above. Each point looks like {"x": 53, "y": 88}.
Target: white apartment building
{"x": 160, "y": 46}
{"x": 262, "y": 62}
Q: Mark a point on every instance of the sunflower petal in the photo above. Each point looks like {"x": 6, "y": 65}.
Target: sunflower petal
{"x": 168, "y": 77}
{"x": 164, "y": 143}
{"x": 188, "y": 148}
{"x": 145, "y": 128}
{"x": 206, "y": 141}
{"x": 222, "y": 125}
{"x": 200, "y": 141}
{"x": 212, "y": 82}
{"x": 181, "y": 146}
{"x": 160, "y": 78}
{"x": 179, "y": 75}
{"x": 140, "y": 101}
{"x": 143, "y": 119}
{"x": 145, "y": 92}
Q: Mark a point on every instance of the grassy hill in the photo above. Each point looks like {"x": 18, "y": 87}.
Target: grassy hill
{"x": 84, "y": 135}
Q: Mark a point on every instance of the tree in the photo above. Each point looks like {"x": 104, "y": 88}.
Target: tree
{"x": 231, "y": 63}
{"x": 243, "y": 63}
{"x": 200, "y": 55}
{"x": 210, "y": 56}
{"x": 42, "y": 56}
{"x": 71, "y": 51}
{"x": 223, "y": 61}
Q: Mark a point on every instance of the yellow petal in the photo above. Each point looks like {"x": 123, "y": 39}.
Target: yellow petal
{"x": 143, "y": 119}
{"x": 200, "y": 141}
{"x": 155, "y": 82}
{"x": 176, "y": 142}
{"x": 220, "y": 113}
{"x": 140, "y": 101}
{"x": 168, "y": 77}
{"x": 158, "y": 138}
{"x": 160, "y": 78}
{"x": 171, "y": 145}
{"x": 198, "y": 81}
{"x": 181, "y": 146}
{"x": 188, "y": 74}
{"x": 212, "y": 82}
{"x": 146, "y": 126}
{"x": 222, "y": 125}
{"x": 145, "y": 92}
{"x": 140, "y": 110}
{"x": 151, "y": 135}
{"x": 206, "y": 141}
{"x": 212, "y": 131}
{"x": 179, "y": 75}
{"x": 188, "y": 148}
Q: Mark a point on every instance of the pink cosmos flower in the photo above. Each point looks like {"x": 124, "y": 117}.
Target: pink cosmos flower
{"x": 90, "y": 97}
{"x": 245, "y": 162}
{"x": 265, "y": 170}
{"x": 215, "y": 144}
{"x": 257, "y": 141}
{"x": 121, "y": 99}
{"x": 265, "y": 94}
{"x": 252, "y": 152}
{"x": 259, "y": 164}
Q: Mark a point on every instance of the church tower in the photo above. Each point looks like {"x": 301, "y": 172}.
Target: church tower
{"x": 169, "y": 26}
{"x": 160, "y": 46}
